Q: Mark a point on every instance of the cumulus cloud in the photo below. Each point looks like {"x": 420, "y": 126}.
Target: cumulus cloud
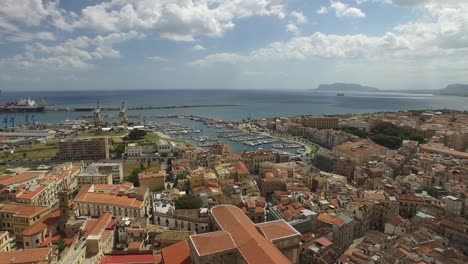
{"x": 292, "y": 28}
{"x": 198, "y": 47}
{"x": 158, "y": 59}
{"x": 322, "y": 10}
{"x": 77, "y": 53}
{"x": 299, "y": 17}
{"x": 344, "y": 10}
{"x": 178, "y": 20}
{"x": 442, "y": 31}
{"x": 222, "y": 58}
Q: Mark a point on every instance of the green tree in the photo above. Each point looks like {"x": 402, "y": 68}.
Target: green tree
{"x": 188, "y": 202}
{"x": 119, "y": 149}
{"x": 61, "y": 245}
{"x": 136, "y": 134}
{"x": 133, "y": 178}
{"x": 24, "y": 155}
{"x": 178, "y": 177}
{"x": 392, "y": 142}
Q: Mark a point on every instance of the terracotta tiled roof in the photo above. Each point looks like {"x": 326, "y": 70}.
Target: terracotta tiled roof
{"x": 363, "y": 147}
{"x": 241, "y": 168}
{"x": 23, "y": 210}
{"x": 410, "y": 197}
{"x": 251, "y": 244}
{"x": 48, "y": 221}
{"x": 36, "y": 255}
{"x": 149, "y": 175}
{"x": 330, "y": 219}
{"x": 147, "y": 258}
{"x": 20, "y": 178}
{"x": 324, "y": 242}
{"x": 276, "y": 230}
{"x": 106, "y": 198}
{"x": 212, "y": 242}
{"x": 178, "y": 253}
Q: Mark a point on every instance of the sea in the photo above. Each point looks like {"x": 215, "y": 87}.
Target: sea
{"x": 254, "y": 104}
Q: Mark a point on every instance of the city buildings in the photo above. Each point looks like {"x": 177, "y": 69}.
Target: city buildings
{"x": 5, "y": 242}
{"x": 153, "y": 180}
{"x": 360, "y": 151}
{"x": 26, "y": 256}
{"x": 321, "y": 122}
{"x": 133, "y": 150}
{"x": 15, "y": 218}
{"x": 84, "y": 149}
{"x": 120, "y": 200}
{"x": 236, "y": 239}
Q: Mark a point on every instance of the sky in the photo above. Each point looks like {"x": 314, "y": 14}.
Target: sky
{"x": 232, "y": 44}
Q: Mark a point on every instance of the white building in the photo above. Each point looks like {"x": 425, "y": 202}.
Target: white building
{"x": 356, "y": 123}
{"x": 133, "y": 150}
{"x": 182, "y": 219}
{"x": 453, "y": 204}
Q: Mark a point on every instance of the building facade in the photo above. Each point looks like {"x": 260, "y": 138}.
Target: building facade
{"x": 84, "y": 149}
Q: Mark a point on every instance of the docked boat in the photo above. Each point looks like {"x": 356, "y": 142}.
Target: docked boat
{"x": 23, "y": 105}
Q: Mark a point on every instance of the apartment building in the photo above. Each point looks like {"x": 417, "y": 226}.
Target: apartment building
{"x": 120, "y": 200}
{"x": 5, "y": 244}
{"x": 15, "y": 218}
{"x": 84, "y": 149}
{"x": 237, "y": 240}
{"x": 252, "y": 160}
{"x": 321, "y": 122}
{"x": 133, "y": 150}
{"x": 93, "y": 174}
{"x": 360, "y": 152}
{"x": 27, "y": 256}
{"x": 153, "y": 180}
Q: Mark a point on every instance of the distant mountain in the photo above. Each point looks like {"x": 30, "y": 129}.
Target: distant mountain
{"x": 346, "y": 87}
{"x": 454, "y": 89}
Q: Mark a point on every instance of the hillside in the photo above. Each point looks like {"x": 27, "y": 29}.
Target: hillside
{"x": 346, "y": 87}
{"x": 454, "y": 89}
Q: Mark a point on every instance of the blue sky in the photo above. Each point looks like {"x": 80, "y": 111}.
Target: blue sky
{"x": 236, "y": 44}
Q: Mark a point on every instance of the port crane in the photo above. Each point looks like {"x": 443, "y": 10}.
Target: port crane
{"x": 97, "y": 118}
{"x": 123, "y": 113}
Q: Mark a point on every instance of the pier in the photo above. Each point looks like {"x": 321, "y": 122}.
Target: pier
{"x": 89, "y": 109}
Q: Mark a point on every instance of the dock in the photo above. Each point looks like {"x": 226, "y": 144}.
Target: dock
{"x": 90, "y": 109}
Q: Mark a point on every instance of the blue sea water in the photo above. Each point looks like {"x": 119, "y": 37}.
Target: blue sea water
{"x": 253, "y": 103}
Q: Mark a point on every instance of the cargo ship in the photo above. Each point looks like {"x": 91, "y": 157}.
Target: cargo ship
{"x": 23, "y": 105}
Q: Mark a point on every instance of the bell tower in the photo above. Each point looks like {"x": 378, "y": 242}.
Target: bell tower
{"x": 66, "y": 206}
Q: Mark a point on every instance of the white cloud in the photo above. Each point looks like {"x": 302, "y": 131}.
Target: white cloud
{"x": 158, "y": 59}
{"x": 344, "y": 10}
{"x": 198, "y": 47}
{"x": 27, "y": 36}
{"x": 292, "y": 28}
{"x": 322, "y": 10}
{"x": 30, "y": 12}
{"x": 178, "y": 20}
{"x": 299, "y": 17}
{"x": 77, "y": 53}
{"x": 223, "y": 58}
{"x": 442, "y": 31}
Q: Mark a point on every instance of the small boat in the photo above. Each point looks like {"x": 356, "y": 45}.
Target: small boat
{"x": 340, "y": 94}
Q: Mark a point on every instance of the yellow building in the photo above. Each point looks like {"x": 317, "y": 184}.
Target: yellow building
{"x": 4, "y": 241}
{"x": 15, "y": 218}
{"x": 153, "y": 180}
